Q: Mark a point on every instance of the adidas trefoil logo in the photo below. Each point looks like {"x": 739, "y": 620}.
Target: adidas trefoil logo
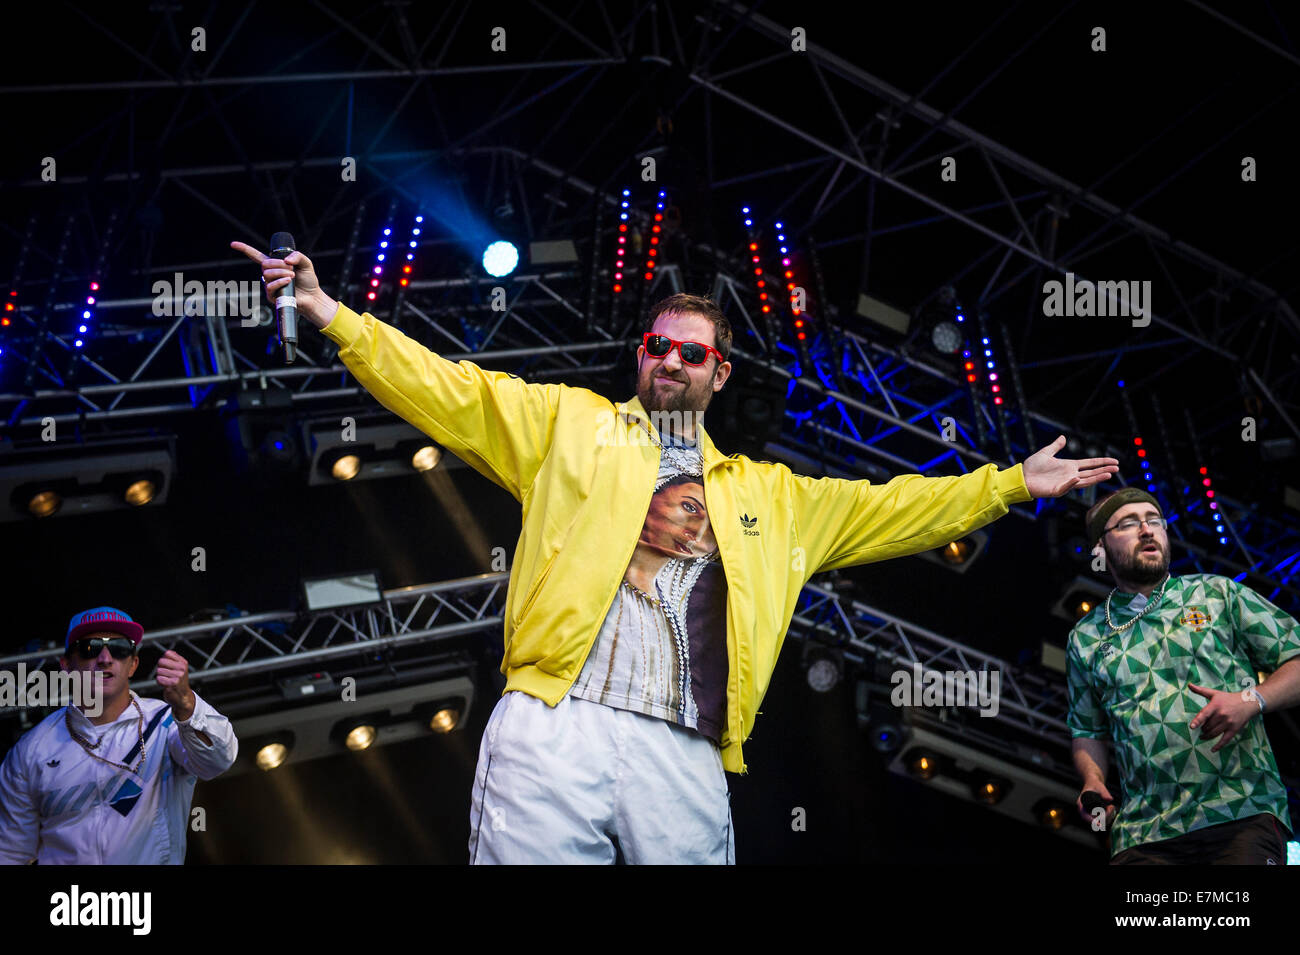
{"x": 748, "y": 523}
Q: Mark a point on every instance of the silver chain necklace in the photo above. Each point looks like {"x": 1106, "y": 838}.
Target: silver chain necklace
{"x": 90, "y": 747}
{"x": 1150, "y": 603}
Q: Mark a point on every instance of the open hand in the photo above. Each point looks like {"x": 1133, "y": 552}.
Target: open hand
{"x": 1049, "y": 476}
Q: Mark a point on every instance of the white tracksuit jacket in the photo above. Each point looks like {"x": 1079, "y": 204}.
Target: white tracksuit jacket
{"x": 59, "y": 805}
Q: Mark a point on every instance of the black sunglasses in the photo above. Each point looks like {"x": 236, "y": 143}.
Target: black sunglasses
{"x": 693, "y": 353}
{"x": 119, "y": 647}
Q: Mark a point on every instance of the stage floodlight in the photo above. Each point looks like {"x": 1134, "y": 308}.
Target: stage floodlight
{"x": 360, "y": 737}
{"x": 1075, "y": 596}
{"x": 822, "y": 667}
{"x": 272, "y": 753}
{"x": 960, "y": 554}
{"x": 444, "y": 721}
{"x": 44, "y": 503}
{"x": 990, "y": 790}
{"x": 346, "y": 467}
{"x": 140, "y": 492}
{"x": 1030, "y": 790}
{"x": 1052, "y": 813}
{"x": 70, "y": 478}
{"x": 369, "y": 447}
{"x": 298, "y": 732}
{"x": 500, "y": 259}
{"x": 426, "y": 458}
{"x": 923, "y": 765}
{"x": 946, "y": 338}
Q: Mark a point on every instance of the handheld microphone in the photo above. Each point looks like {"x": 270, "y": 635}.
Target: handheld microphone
{"x": 286, "y": 306}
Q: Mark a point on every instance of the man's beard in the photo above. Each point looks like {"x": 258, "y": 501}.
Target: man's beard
{"x": 687, "y": 397}
{"x": 1137, "y": 568}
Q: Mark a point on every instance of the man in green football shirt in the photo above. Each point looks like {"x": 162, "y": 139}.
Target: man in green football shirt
{"x": 1165, "y": 670}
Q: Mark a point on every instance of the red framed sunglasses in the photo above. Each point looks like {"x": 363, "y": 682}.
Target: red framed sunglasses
{"x": 692, "y": 353}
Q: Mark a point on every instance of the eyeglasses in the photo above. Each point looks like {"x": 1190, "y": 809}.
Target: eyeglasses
{"x": 119, "y": 647}
{"x": 692, "y": 353}
{"x": 1130, "y": 523}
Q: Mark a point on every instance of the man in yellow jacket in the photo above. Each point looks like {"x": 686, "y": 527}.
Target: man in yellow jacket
{"x": 654, "y": 578}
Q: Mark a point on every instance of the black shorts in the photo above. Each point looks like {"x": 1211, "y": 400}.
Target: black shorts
{"x": 1257, "y": 840}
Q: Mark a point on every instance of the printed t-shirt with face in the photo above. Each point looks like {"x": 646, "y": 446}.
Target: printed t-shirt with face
{"x": 662, "y": 647}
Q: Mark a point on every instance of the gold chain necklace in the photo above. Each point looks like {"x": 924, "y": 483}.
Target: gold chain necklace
{"x": 90, "y": 747}
{"x": 1150, "y": 603}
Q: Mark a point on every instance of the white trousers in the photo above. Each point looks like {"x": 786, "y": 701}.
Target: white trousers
{"x": 582, "y": 782}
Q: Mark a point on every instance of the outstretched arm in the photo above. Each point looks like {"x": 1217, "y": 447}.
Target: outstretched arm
{"x": 496, "y": 423}
{"x": 842, "y": 523}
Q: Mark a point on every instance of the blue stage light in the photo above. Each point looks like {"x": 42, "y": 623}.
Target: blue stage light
{"x": 500, "y": 258}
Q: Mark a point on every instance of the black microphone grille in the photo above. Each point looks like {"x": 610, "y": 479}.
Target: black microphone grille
{"x": 1092, "y": 799}
{"x": 282, "y": 240}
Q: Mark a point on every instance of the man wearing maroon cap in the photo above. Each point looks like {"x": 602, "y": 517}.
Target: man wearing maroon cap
{"x": 115, "y": 788}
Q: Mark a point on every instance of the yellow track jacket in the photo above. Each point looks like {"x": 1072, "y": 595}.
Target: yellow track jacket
{"x": 584, "y": 470}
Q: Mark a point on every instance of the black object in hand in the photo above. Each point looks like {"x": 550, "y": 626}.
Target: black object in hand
{"x": 1092, "y": 799}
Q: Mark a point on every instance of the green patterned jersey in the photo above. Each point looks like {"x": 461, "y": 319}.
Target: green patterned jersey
{"x": 1132, "y": 688}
